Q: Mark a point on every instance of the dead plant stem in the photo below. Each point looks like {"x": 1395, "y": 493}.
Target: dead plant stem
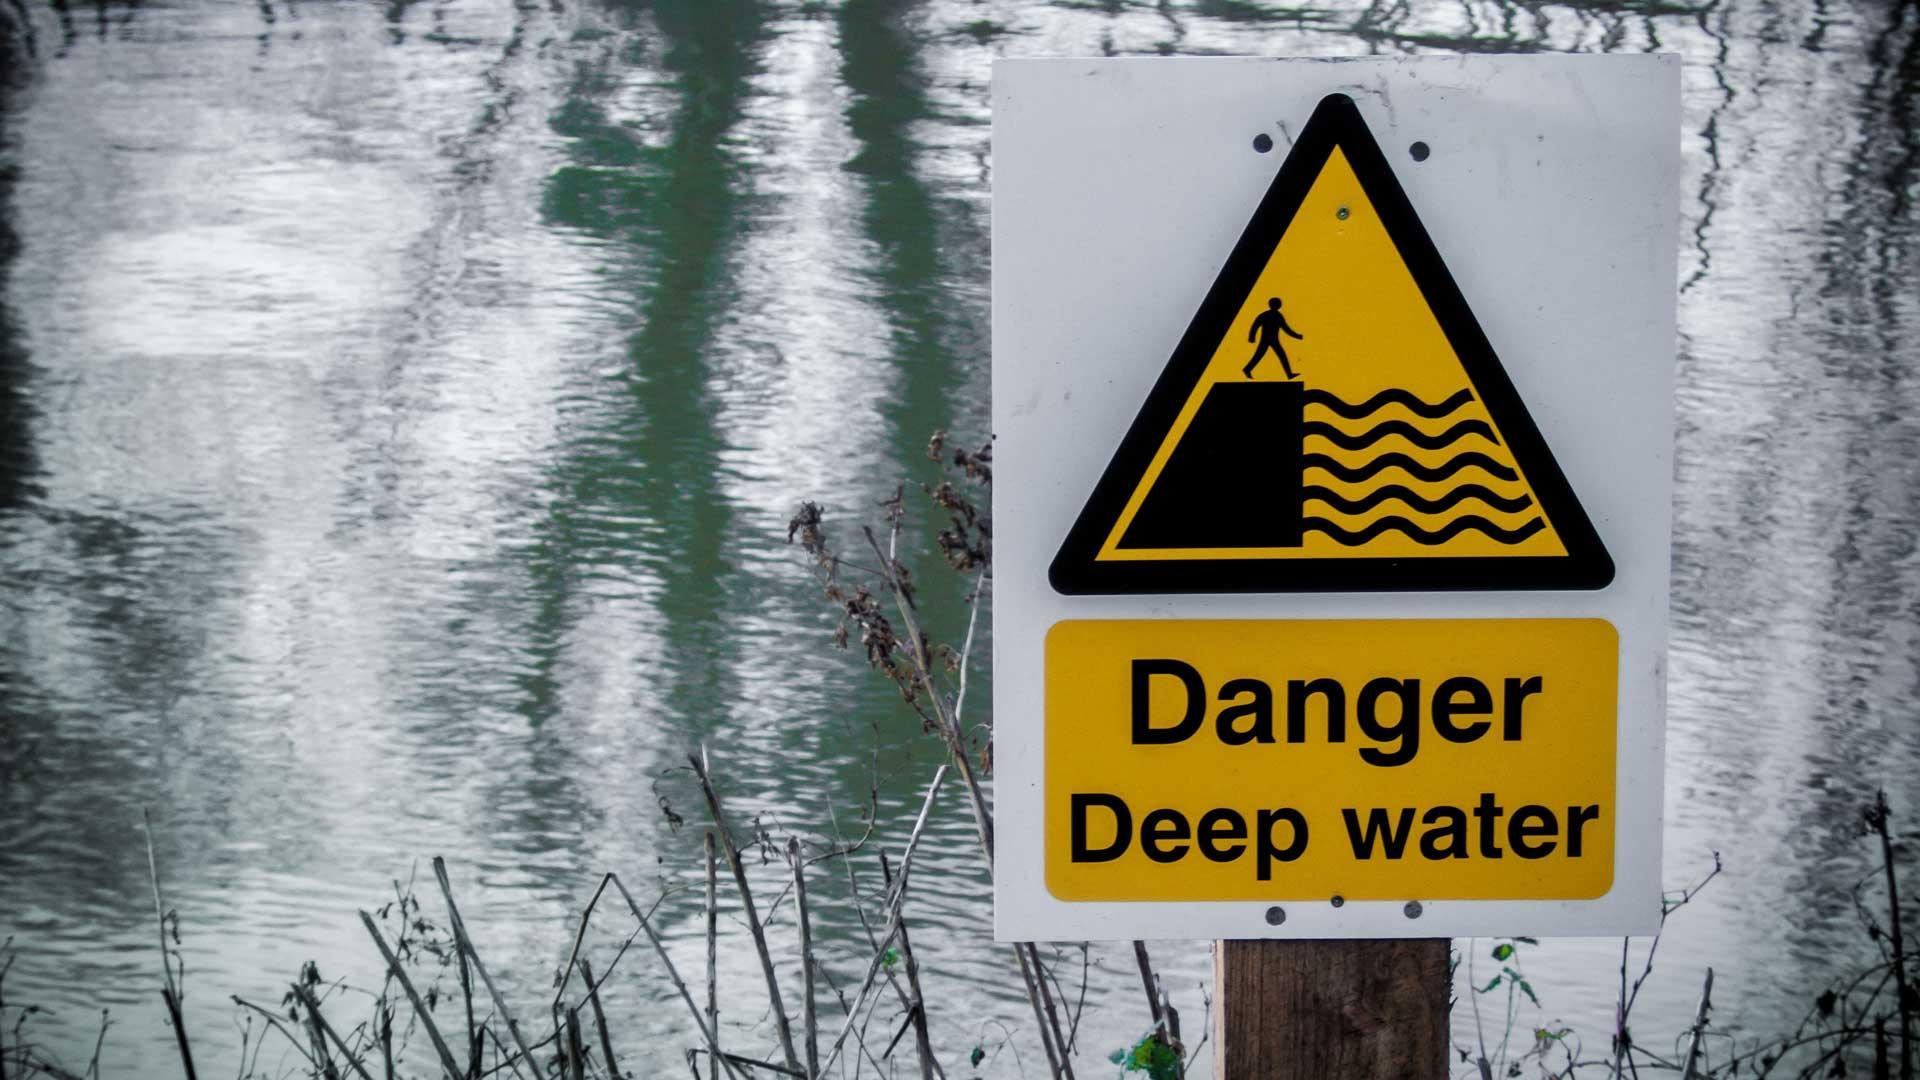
{"x": 673, "y": 973}
{"x": 325, "y": 1029}
{"x": 464, "y": 941}
{"x": 419, "y": 1006}
{"x": 782, "y": 1027}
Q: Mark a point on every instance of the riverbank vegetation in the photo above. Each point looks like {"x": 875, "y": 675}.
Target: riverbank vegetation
{"x": 876, "y": 1009}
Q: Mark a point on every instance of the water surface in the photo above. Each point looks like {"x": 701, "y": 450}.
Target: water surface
{"x": 402, "y": 405}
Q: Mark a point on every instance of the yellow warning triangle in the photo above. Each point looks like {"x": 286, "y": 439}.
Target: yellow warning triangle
{"x": 1334, "y": 418}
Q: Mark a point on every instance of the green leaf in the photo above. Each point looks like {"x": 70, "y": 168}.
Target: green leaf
{"x": 890, "y": 957}
{"x": 1150, "y": 1056}
{"x": 1491, "y": 985}
{"x": 974, "y": 1058}
{"x": 1502, "y": 951}
{"x": 1527, "y": 989}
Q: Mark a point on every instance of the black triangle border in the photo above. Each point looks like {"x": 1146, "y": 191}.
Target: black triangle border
{"x": 1336, "y": 121}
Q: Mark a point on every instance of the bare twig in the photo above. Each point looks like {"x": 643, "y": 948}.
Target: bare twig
{"x": 1039, "y": 1016}
{"x": 751, "y": 1065}
{"x": 464, "y": 941}
{"x": 713, "y": 961}
{"x": 1174, "y": 1039}
{"x": 947, "y": 721}
{"x": 419, "y": 1007}
{"x": 273, "y": 1022}
{"x": 386, "y": 1034}
{"x": 906, "y": 1025}
{"x": 1620, "y": 1035}
{"x": 1206, "y": 1028}
{"x": 922, "y": 692}
{"x": 1697, "y": 1035}
{"x": 1623, "y": 1045}
{"x": 1053, "y": 1015}
{"x": 966, "y": 647}
{"x": 171, "y": 992}
{"x": 895, "y": 900}
{"x": 1080, "y": 1000}
{"x": 859, "y": 908}
{"x": 1877, "y": 820}
{"x": 1146, "y": 980}
{"x": 476, "y": 1042}
{"x": 782, "y": 1027}
{"x": 949, "y": 725}
{"x": 1483, "y": 1062}
{"x": 100, "y": 1040}
{"x": 320, "y": 1052}
{"x": 1881, "y": 1068}
{"x": 917, "y": 1012}
{"x": 576, "y": 1051}
{"x": 599, "y": 1019}
{"x": 325, "y": 1029}
{"x": 579, "y": 939}
{"x": 673, "y": 973}
{"x": 809, "y": 1018}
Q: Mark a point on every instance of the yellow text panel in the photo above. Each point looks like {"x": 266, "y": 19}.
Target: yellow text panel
{"x": 1302, "y": 760}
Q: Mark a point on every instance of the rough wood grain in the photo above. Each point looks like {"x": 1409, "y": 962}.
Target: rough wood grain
{"x": 1331, "y": 1010}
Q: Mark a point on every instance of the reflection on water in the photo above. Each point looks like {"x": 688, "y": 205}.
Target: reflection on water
{"x": 401, "y": 406}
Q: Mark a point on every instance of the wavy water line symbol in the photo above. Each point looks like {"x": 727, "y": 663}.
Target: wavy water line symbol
{"x": 1377, "y": 492}
{"x": 1416, "y": 501}
{"x": 1374, "y": 466}
{"x": 1396, "y": 396}
{"x": 1387, "y": 429}
{"x": 1473, "y": 522}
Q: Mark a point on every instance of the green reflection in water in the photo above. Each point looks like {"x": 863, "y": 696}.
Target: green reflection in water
{"x": 881, "y": 68}
{"x": 636, "y": 493}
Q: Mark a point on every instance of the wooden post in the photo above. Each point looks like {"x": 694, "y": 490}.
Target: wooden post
{"x": 1312, "y": 1010}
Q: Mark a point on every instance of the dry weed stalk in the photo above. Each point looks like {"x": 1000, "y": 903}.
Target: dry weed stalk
{"x": 913, "y": 662}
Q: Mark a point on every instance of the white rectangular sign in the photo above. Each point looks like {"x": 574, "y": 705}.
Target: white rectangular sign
{"x": 1333, "y": 408}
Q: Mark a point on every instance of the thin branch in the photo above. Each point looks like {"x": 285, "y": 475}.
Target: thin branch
{"x": 809, "y": 1018}
{"x": 895, "y": 900}
{"x": 917, "y": 1013}
{"x": 1146, "y": 980}
{"x": 673, "y": 973}
{"x": 599, "y": 1019}
{"x": 419, "y": 1007}
{"x": 1695, "y": 1040}
{"x": 1039, "y": 1016}
{"x": 735, "y": 1060}
{"x": 947, "y": 723}
{"x": 713, "y": 956}
{"x": 171, "y": 992}
{"x": 1053, "y": 1015}
{"x": 579, "y": 938}
{"x": 782, "y": 1026}
{"x": 326, "y": 1030}
{"x": 273, "y": 1021}
{"x": 1877, "y": 819}
{"x": 464, "y": 941}
{"x": 860, "y": 909}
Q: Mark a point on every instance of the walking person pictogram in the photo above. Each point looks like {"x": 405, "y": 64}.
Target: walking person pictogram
{"x": 1268, "y": 326}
